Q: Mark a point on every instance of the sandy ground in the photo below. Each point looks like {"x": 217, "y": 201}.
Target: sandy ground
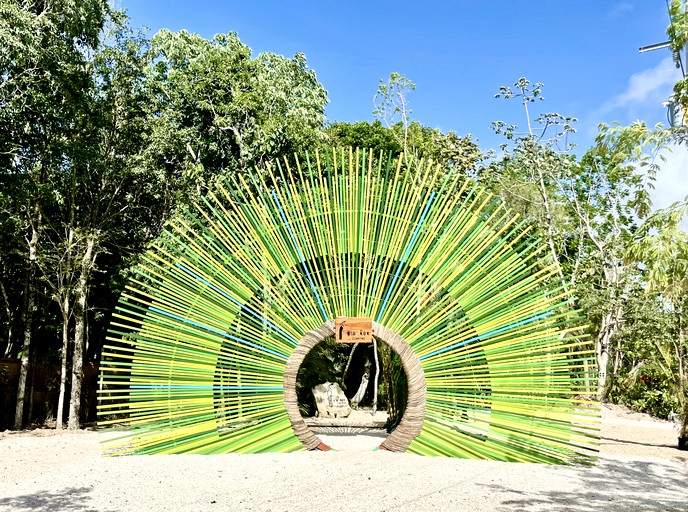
{"x": 639, "y": 469}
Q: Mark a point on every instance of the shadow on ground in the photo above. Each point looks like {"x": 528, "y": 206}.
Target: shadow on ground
{"x": 655, "y": 486}
{"x": 640, "y": 443}
{"x": 72, "y": 498}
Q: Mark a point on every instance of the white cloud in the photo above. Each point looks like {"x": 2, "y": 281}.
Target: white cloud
{"x": 644, "y": 93}
{"x": 652, "y": 85}
{"x": 672, "y": 178}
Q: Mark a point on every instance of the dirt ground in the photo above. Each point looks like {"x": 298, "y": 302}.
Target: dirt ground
{"x": 639, "y": 468}
{"x": 629, "y": 433}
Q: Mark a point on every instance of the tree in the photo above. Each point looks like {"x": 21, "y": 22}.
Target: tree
{"x": 214, "y": 109}
{"x": 661, "y": 245}
{"x": 527, "y": 173}
{"x": 105, "y": 136}
{"x": 117, "y": 201}
{"x": 586, "y": 208}
{"x": 392, "y": 106}
{"x": 12, "y": 271}
{"x": 626, "y": 164}
{"x": 42, "y": 76}
{"x": 453, "y": 152}
{"x": 363, "y": 134}
{"x": 606, "y": 193}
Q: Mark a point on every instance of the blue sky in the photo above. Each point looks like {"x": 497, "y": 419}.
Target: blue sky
{"x": 458, "y": 54}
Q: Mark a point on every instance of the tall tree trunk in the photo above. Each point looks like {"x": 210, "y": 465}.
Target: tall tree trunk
{"x": 549, "y": 224}
{"x": 681, "y": 348}
{"x": 59, "y": 424}
{"x": 80, "y": 295}
{"x": 62, "y": 296}
{"x": 30, "y": 294}
{"x": 377, "y": 375}
{"x": 618, "y": 357}
{"x": 610, "y": 323}
{"x": 10, "y": 320}
{"x": 602, "y": 349}
{"x": 682, "y": 377}
{"x": 26, "y": 346}
{"x": 360, "y": 393}
{"x": 29, "y": 416}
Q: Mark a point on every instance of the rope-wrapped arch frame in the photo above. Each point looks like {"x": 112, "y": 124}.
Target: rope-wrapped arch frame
{"x": 412, "y": 419}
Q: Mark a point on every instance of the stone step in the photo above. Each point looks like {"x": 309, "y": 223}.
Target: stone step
{"x": 360, "y": 418}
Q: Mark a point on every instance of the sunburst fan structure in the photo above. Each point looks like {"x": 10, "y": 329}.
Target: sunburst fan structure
{"x": 200, "y": 343}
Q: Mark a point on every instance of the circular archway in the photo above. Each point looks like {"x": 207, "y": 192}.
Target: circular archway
{"x": 412, "y": 418}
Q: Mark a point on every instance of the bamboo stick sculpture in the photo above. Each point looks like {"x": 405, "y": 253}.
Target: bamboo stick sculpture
{"x": 204, "y": 346}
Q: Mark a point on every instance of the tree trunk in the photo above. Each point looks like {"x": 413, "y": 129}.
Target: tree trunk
{"x": 29, "y": 416}
{"x": 30, "y": 294}
{"x": 377, "y": 376}
{"x": 348, "y": 363}
{"x": 618, "y": 358}
{"x": 358, "y": 397}
{"x": 10, "y": 320}
{"x": 62, "y": 296}
{"x": 610, "y": 324}
{"x": 681, "y": 352}
{"x": 682, "y": 377}
{"x": 24, "y": 368}
{"x": 602, "y": 354}
{"x": 549, "y": 224}
{"x": 59, "y": 424}
{"x": 80, "y": 294}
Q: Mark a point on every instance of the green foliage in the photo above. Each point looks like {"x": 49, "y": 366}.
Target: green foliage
{"x": 649, "y": 394}
{"x": 213, "y": 108}
{"x": 515, "y": 177}
{"x": 635, "y": 382}
{"x": 394, "y": 386}
{"x": 678, "y": 26}
{"x": 391, "y": 100}
{"x": 43, "y": 77}
{"x": 678, "y": 38}
{"x": 661, "y": 246}
{"x": 106, "y": 134}
{"x": 410, "y": 138}
{"x": 587, "y": 207}
{"x": 630, "y": 156}
{"x": 456, "y": 154}
{"x": 363, "y": 134}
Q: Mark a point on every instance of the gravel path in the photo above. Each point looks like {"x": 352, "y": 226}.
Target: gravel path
{"x": 639, "y": 469}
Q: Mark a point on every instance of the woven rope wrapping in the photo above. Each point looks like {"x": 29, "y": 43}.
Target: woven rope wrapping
{"x": 412, "y": 420}
{"x": 202, "y": 337}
